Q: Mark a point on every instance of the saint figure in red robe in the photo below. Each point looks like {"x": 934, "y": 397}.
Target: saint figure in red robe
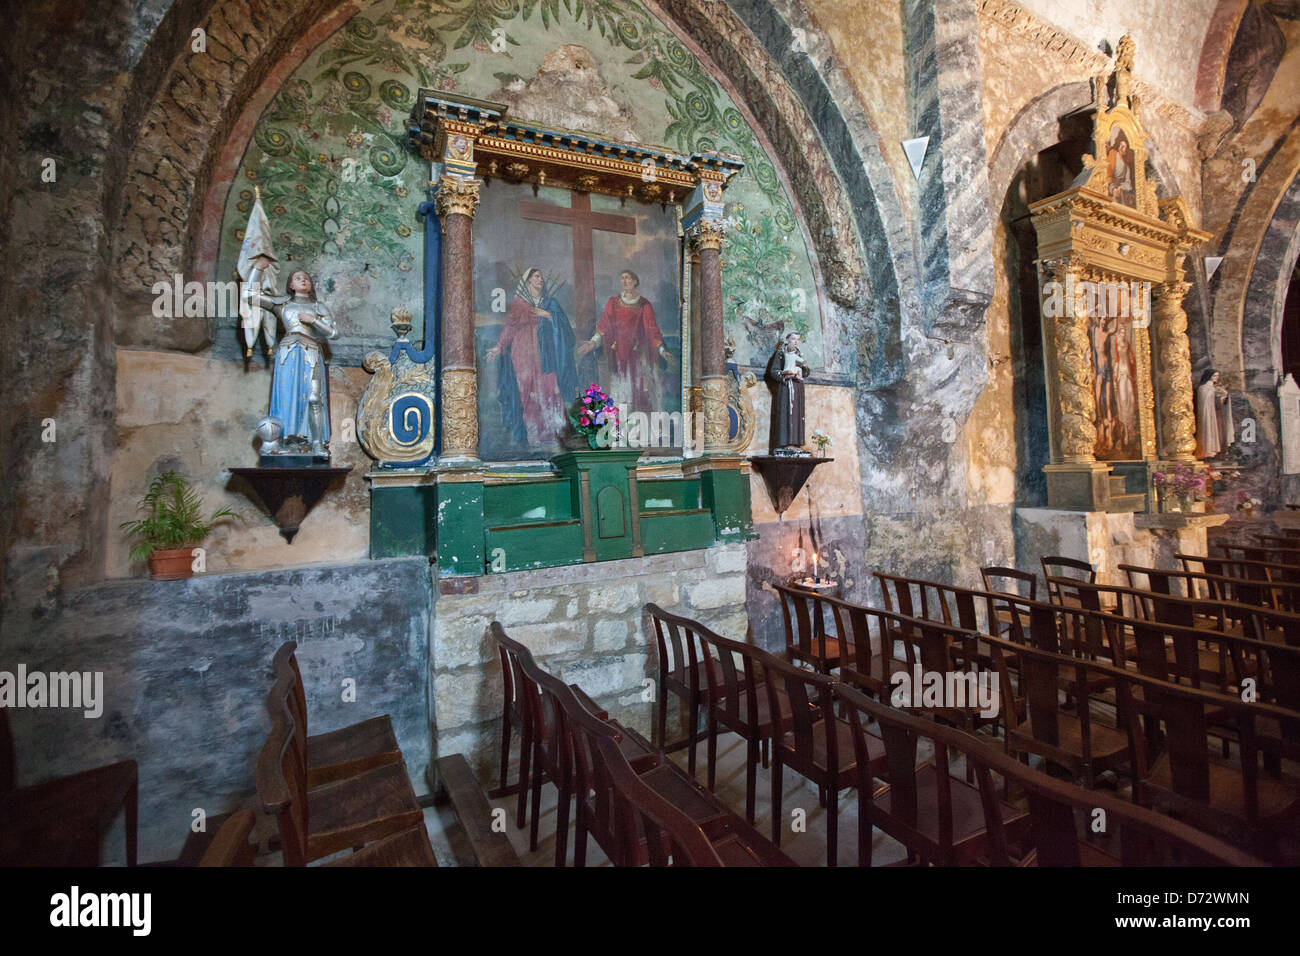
{"x": 633, "y": 345}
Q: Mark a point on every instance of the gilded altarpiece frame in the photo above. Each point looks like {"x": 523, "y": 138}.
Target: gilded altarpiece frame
{"x": 1110, "y": 268}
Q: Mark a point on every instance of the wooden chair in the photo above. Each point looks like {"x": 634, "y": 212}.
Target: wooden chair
{"x": 61, "y": 822}
{"x": 1038, "y": 722}
{"x": 230, "y": 846}
{"x": 341, "y": 753}
{"x": 818, "y": 745}
{"x": 679, "y": 676}
{"x": 316, "y": 822}
{"x": 1083, "y": 571}
{"x": 738, "y": 701}
{"x": 642, "y": 817}
{"x": 409, "y": 847}
{"x": 995, "y": 578}
{"x": 940, "y": 819}
{"x": 597, "y": 816}
{"x": 802, "y": 613}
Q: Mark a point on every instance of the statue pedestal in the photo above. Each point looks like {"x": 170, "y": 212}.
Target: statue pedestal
{"x": 785, "y": 476}
{"x": 1108, "y": 539}
{"x": 288, "y": 494}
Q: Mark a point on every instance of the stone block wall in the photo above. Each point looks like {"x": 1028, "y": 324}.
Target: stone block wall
{"x": 585, "y": 624}
{"x": 187, "y": 664}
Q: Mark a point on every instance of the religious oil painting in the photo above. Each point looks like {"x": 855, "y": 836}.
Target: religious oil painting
{"x": 572, "y": 289}
{"x": 1119, "y": 168}
{"x": 1114, "y": 386}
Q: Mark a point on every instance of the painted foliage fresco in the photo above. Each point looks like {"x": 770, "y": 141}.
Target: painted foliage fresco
{"x": 341, "y": 191}
{"x": 571, "y": 289}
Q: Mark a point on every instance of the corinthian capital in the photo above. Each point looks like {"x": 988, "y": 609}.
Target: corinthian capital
{"x": 456, "y": 196}
{"x": 707, "y": 234}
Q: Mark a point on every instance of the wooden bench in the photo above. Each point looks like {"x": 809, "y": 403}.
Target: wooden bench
{"x": 458, "y": 785}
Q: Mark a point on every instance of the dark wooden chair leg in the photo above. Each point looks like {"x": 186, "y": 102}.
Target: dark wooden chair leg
{"x": 776, "y": 798}
{"x": 562, "y": 827}
{"x": 692, "y": 735}
{"x": 751, "y": 779}
{"x": 525, "y": 761}
{"x": 713, "y": 750}
{"x": 132, "y": 819}
{"x": 505, "y": 750}
{"x": 537, "y": 801}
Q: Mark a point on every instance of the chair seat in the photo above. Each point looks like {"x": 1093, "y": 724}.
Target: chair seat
{"x": 848, "y": 761}
{"x": 1276, "y": 798}
{"x": 97, "y": 793}
{"x": 738, "y": 844}
{"x": 967, "y": 812}
{"x": 1108, "y": 744}
{"x": 825, "y": 650}
{"x": 342, "y": 753}
{"x": 685, "y": 794}
{"x": 410, "y": 847}
{"x": 359, "y": 809}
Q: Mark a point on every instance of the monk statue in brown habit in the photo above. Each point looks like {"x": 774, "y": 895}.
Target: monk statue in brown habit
{"x": 786, "y": 371}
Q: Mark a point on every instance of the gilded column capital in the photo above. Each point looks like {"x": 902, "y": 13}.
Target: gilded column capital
{"x": 456, "y": 196}
{"x": 707, "y": 234}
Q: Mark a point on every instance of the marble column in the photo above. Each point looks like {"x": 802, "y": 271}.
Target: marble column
{"x": 1174, "y": 370}
{"x": 707, "y": 239}
{"x": 1076, "y": 403}
{"x": 455, "y": 204}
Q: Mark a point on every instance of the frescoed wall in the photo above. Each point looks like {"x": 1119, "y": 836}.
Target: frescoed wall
{"x": 342, "y": 191}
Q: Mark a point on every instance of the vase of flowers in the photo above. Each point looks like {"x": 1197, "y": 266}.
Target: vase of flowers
{"x": 1179, "y": 489}
{"x": 821, "y": 440}
{"x": 1247, "y": 505}
{"x": 593, "y": 421}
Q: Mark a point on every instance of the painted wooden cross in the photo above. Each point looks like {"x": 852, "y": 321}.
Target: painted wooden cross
{"x": 584, "y": 224}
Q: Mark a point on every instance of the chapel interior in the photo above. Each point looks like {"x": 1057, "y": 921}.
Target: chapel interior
{"x": 650, "y": 432}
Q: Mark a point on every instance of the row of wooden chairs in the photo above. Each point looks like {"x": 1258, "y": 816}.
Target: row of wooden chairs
{"x": 1067, "y": 735}
{"x": 939, "y": 817}
{"x": 585, "y": 755}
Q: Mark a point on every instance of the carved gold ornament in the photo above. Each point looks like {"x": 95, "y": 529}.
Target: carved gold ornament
{"x": 457, "y": 197}
{"x": 717, "y": 423}
{"x": 459, "y": 413}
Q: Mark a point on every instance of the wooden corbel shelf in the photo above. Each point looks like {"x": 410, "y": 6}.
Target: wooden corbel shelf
{"x": 288, "y": 494}
{"x": 785, "y": 476}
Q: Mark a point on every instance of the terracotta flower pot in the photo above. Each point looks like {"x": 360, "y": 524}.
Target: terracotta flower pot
{"x": 172, "y": 564}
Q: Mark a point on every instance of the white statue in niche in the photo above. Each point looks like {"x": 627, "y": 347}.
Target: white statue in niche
{"x": 1213, "y": 415}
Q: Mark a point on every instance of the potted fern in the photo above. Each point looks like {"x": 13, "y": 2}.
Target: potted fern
{"x": 173, "y": 527}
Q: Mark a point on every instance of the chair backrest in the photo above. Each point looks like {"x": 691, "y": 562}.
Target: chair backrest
{"x": 1059, "y": 811}
{"x": 230, "y": 846}
{"x": 281, "y": 778}
{"x": 803, "y": 614}
{"x": 677, "y": 644}
{"x": 733, "y": 688}
{"x": 902, "y": 733}
{"x": 670, "y": 838}
{"x": 873, "y": 633}
{"x": 811, "y": 701}
{"x": 1055, "y": 564}
{"x": 995, "y": 578}
{"x": 592, "y": 784}
{"x": 284, "y": 665}
{"x": 512, "y": 654}
{"x": 542, "y": 694}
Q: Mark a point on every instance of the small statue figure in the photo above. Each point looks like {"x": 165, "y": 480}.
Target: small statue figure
{"x": 1213, "y": 415}
{"x": 786, "y": 371}
{"x": 300, "y": 377}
